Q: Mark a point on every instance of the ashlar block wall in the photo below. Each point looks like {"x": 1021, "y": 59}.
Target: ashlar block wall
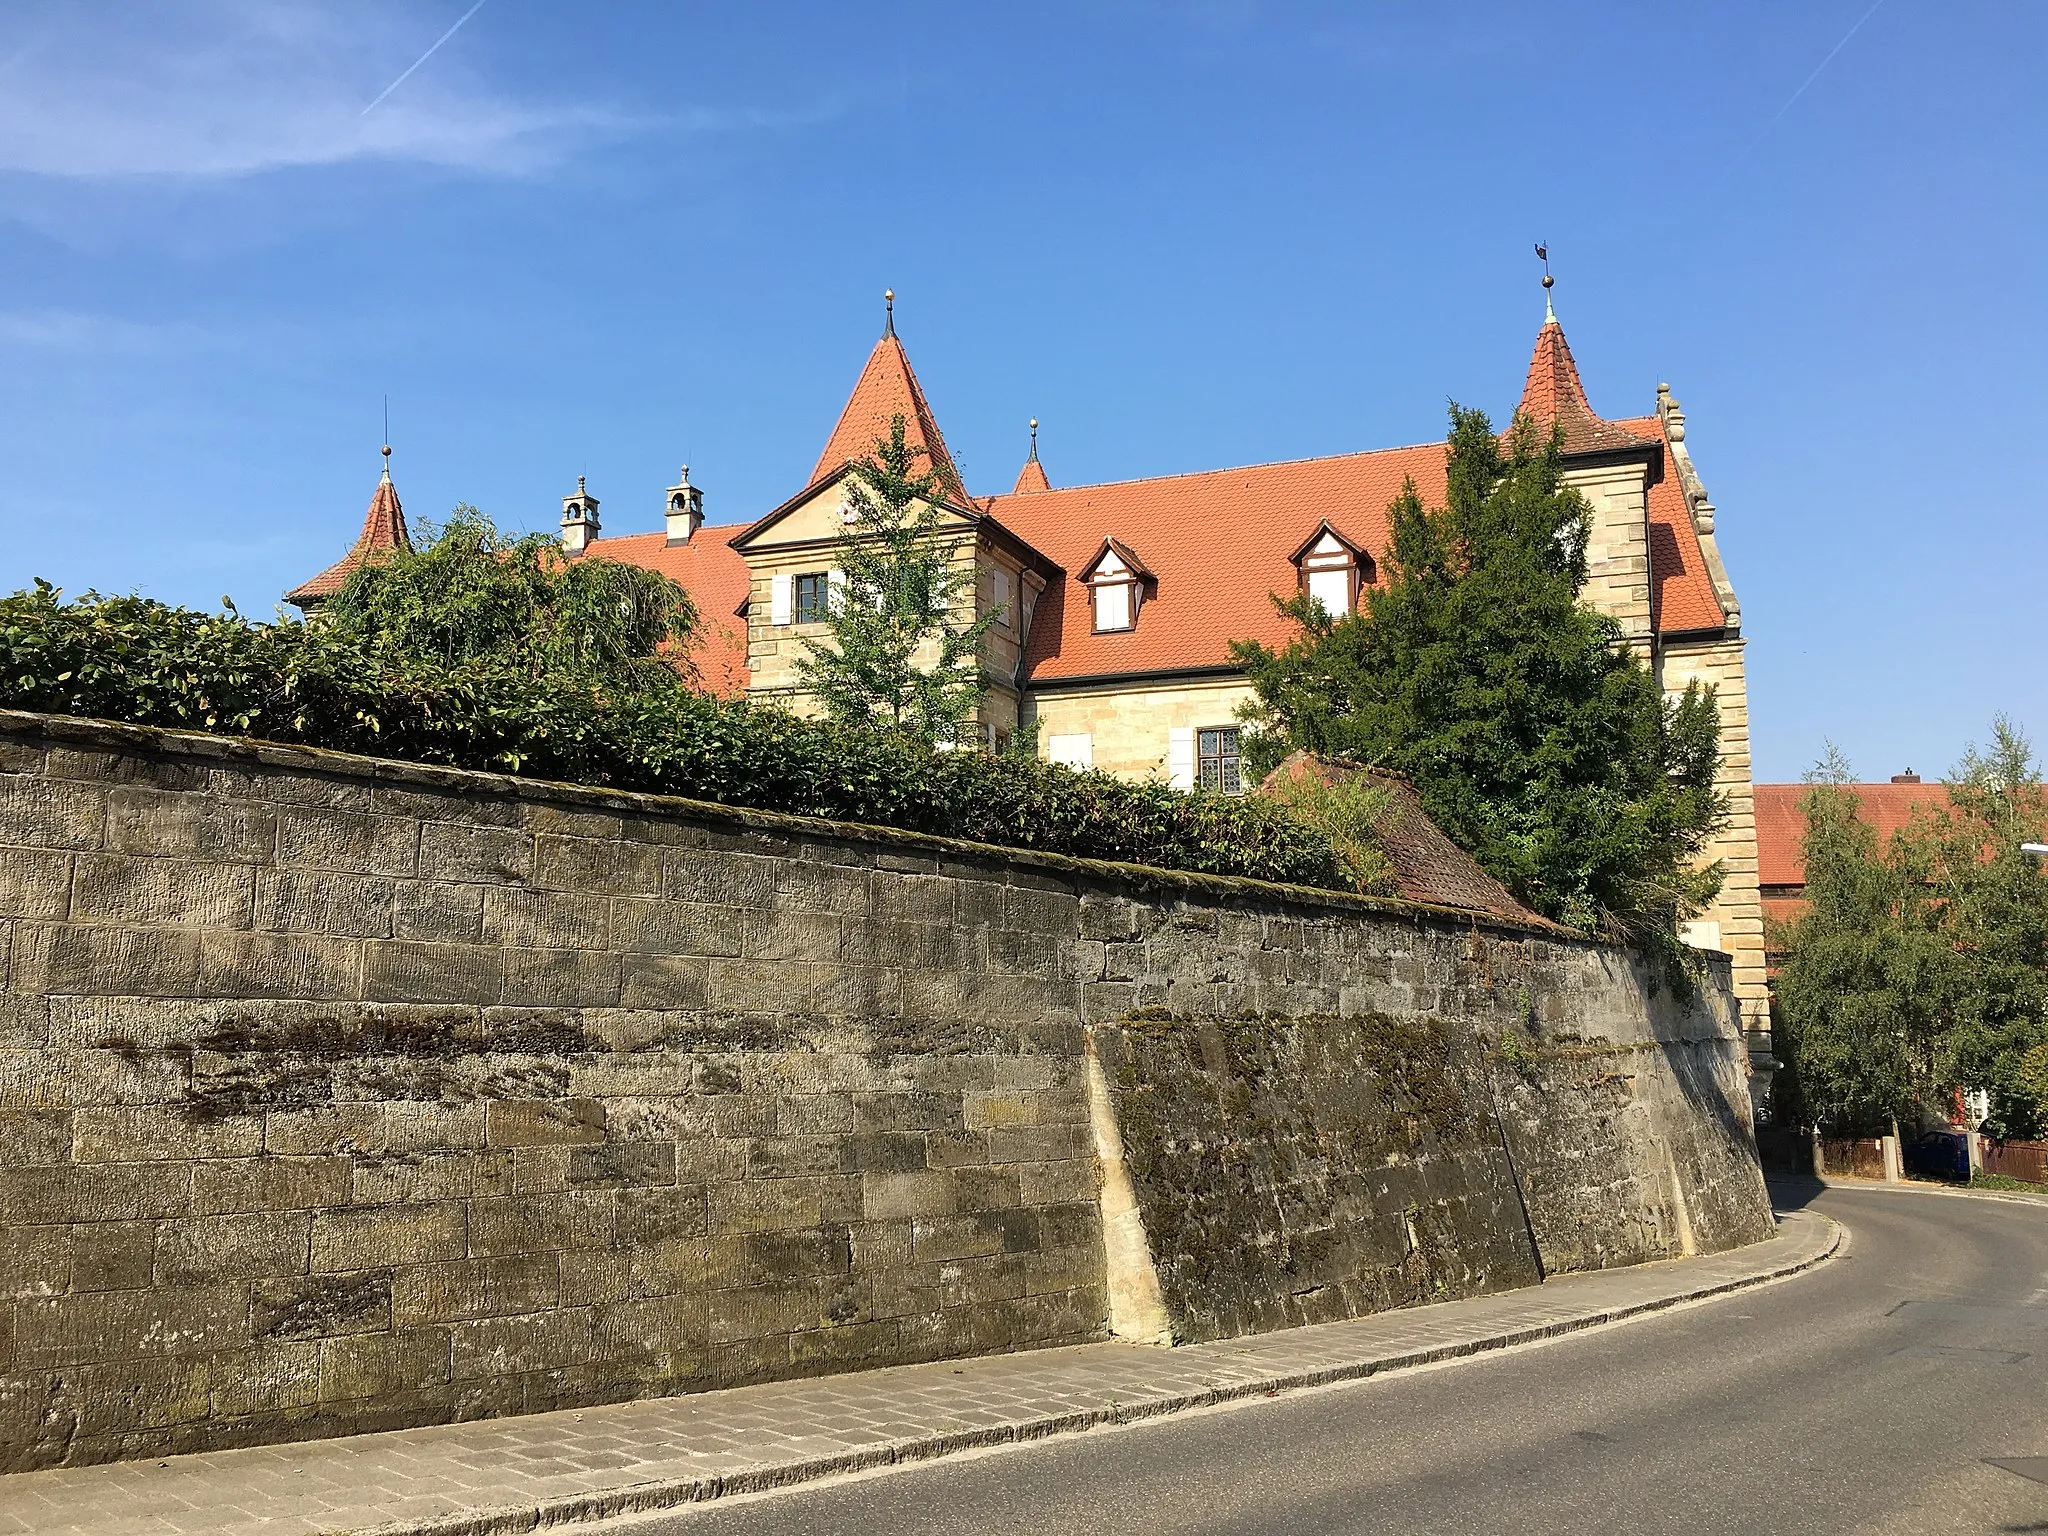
{"x": 339, "y": 1094}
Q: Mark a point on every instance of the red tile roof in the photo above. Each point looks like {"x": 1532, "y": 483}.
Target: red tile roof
{"x": 713, "y": 573}
{"x": 1682, "y": 594}
{"x": 1218, "y": 543}
{"x": 887, "y": 389}
{"x": 383, "y": 532}
{"x": 1781, "y": 827}
{"x": 1031, "y": 477}
{"x": 1553, "y": 394}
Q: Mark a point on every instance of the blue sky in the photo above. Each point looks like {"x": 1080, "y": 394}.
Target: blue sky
{"x": 601, "y": 239}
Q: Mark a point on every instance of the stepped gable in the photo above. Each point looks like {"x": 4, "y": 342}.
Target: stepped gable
{"x": 888, "y": 388}
{"x": 383, "y": 533}
{"x": 1428, "y": 866}
{"x": 715, "y": 576}
{"x": 1553, "y": 396}
{"x": 1682, "y": 596}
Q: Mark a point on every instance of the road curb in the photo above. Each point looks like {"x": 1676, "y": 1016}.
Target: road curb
{"x": 673, "y": 1493}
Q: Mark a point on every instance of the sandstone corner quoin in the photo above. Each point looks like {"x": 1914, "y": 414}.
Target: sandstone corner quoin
{"x": 340, "y": 1094}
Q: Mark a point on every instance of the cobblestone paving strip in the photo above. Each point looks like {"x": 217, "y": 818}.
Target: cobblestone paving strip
{"x": 515, "y": 1475}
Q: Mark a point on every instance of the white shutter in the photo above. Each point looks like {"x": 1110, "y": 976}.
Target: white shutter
{"x": 778, "y": 599}
{"x": 1076, "y": 751}
{"x": 1180, "y": 756}
{"x": 835, "y": 591}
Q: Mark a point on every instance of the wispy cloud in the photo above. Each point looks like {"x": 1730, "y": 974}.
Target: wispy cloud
{"x": 76, "y": 333}
{"x": 219, "y": 89}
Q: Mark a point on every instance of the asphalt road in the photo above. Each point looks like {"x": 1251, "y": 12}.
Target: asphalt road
{"x": 1863, "y": 1396}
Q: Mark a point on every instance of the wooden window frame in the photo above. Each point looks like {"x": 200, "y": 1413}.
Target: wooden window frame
{"x": 1234, "y": 758}
{"x": 819, "y": 585}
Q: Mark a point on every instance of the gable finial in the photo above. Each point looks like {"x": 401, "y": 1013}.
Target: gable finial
{"x": 889, "y": 313}
{"x": 1543, "y": 252}
{"x": 1034, "y": 442}
{"x": 387, "y": 437}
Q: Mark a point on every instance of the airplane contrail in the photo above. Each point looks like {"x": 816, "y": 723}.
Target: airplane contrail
{"x": 416, "y": 63}
{"x": 1789, "y": 100}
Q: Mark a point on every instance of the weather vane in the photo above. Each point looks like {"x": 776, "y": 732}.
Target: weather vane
{"x": 1543, "y": 254}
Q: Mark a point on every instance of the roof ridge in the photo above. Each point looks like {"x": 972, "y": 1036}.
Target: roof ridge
{"x": 1228, "y": 469}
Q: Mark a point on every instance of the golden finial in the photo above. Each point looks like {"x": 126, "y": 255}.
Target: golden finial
{"x": 889, "y": 320}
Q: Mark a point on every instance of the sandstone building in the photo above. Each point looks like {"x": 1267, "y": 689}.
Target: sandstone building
{"x": 1117, "y": 603}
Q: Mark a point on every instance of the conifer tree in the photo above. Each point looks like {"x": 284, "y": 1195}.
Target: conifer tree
{"x": 904, "y": 649}
{"x": 1535, "y": 737}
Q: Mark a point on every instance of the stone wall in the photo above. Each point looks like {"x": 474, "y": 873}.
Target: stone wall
{"x": 339, "y": 1094}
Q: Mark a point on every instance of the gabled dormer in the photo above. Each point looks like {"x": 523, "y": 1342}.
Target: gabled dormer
{"x": 1118, "y": 584}
{"x": 1332, "y": 569}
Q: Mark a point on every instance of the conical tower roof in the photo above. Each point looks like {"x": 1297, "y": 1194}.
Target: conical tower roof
{"x": 1554, "y": 395}
{"x": 1032, "y": 476}
{"x": 888, "y": 388}
{"x": 383, "y": 532}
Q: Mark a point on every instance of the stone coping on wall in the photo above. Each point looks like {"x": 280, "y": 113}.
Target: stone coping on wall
{"x": 115, "y": 736}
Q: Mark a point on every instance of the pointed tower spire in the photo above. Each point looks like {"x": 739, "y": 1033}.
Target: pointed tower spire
{"x": 1554, "y": 395}
{"x": 383, "y": 534}
{"x": 888, "y": 388}
{"x": 1032, "y": 476}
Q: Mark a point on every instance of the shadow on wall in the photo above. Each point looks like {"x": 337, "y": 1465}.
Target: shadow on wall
{"x": 1539, "y": 1119}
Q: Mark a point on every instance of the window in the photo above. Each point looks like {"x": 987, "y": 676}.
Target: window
{"x": 1002, "y": 598}
{"x": 1117, "y": 581}
{"x": 1332, "y": 567}
{"x": 811, "y": 595}
{"x": 1332, "y": 589}
{"x": 1113, "y": 604}
{"x": 1076, "y": 751}
{"x": 1216, "y": 760}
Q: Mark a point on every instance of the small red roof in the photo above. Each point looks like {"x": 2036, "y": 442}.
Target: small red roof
{"x": 1781, "y": 826}
{"x": 383, "y": 532}
{"x": 1031, "y": 477}
{"x": 715, "y": 576}
{"x": 1553, "y": 394}
{"x": 888, "y": 388}
{"x": 1682, "y": 596}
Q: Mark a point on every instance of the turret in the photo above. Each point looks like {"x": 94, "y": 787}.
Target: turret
{"x": 579, "y": 520}
{"x": 685, "y": 509}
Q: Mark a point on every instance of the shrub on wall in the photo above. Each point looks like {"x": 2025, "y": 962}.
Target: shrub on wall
{"x": 132, "y": 659}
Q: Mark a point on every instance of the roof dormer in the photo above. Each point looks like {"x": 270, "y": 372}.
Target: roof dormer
{"x": 1117, "y": 583}
{"x": 1332, "y": 570}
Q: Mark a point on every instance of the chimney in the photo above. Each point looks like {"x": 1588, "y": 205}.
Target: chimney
{"x": 579, "y": 520}
{"x": 685, "y": 509}
{"x": 1908, "y": 777}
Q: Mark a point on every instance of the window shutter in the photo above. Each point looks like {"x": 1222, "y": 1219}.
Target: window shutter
{"x": 778, "y": 599}
{"x": 1180, "y": 756}
{"x": 1076, "y": 750}
{"x": 835, "y": 585}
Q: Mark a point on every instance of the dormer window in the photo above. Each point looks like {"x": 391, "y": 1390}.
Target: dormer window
{"x": 1333, "y": 570}
{"x": 1116, "y": 580}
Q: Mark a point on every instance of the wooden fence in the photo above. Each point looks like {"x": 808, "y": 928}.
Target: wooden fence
{"x": 2026, "y": 1160}
{"x": 1858, "y": 1158}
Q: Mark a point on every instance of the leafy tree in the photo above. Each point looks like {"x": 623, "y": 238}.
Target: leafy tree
{"x": 470, "y": 595}
{"x": 898, "y": 657}
{"x": 1535, "y": 738}
{"x": 1859, "y": 993}
{"x": 1921, "y": 966}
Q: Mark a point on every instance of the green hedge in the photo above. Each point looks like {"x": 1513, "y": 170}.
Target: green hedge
{"x": 134, "y": 660}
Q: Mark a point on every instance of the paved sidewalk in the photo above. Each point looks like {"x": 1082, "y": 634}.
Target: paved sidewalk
{"x": 517, "y": 1474}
